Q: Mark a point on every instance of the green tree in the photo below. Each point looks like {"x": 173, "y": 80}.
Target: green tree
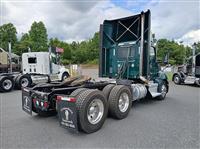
{"x": 8, "y": 33}
{"x": 23, "y": 45}
{"x": 66, "y": 56}
{"x": 38, "y": 37}
{"x": 177, "y": 52}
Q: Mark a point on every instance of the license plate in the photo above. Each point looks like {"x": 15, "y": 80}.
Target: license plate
{"x": 26, "y": 101}
{"x": 67, "y": 115}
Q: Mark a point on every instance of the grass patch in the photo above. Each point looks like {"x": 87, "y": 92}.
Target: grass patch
{"x": 169, "y": 75}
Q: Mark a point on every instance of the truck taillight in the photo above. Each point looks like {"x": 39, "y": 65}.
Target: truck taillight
{"x": 59, "y": 98}
{"x": 70, "y": 99}
{"x": 46, "y": 104}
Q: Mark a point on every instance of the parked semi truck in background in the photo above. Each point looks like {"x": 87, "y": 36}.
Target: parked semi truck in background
{"x": 189, "y": 73}
{"x": 36, "y": 67}
{"x": 5, "y": 62}
{"x": 127, "y": 57}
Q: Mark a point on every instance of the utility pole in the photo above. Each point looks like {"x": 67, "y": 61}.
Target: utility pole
{"x": 10, "y": 55}
{"x": 193, "y": 58}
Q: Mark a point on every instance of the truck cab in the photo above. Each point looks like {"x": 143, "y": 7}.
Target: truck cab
{"x": 188, "y": 73}
{"x": 43, "y": 64}
{"x": 128, "y": 50}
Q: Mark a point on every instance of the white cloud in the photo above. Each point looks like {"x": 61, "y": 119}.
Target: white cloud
{"x": 78, "y": 20}
{"x": 65, "y": 20}
{"x": 190, "y": 37}
{"x": 173, "y": 19}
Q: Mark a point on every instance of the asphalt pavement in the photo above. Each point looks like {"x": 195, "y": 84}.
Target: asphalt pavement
{"x": 171, "y": 123}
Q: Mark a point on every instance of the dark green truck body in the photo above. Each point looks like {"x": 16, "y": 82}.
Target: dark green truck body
{"x": 121, "y": 43}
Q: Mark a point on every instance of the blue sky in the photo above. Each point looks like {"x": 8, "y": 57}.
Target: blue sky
{"x": 79, "y": 19}
{"x": 132, "y": 5}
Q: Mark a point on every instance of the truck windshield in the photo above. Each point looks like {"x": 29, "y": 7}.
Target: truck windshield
{"x": 124, "y": 52}
{"x": 32, "y": 60}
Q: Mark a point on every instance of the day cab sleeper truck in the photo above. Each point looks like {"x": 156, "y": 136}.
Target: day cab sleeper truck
{"x": 37, "y": 67}
{"x": 127, "y": 57}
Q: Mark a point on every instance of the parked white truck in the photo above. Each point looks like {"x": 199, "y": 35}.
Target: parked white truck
{"x": 37, "y": 67}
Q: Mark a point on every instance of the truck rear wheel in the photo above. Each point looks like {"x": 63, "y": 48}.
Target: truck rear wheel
{"x": 107, "y": 89}
{"x": 120, "y": 101}
{"x": 23, "y": 81}
{"x": 92, "y": 110}
{"x": 6, "y": 84}
{"x": 77, "y": 92}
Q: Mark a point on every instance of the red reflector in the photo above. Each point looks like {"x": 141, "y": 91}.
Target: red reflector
{"x": 72, "y": 99}
{"x": 45, "y": 104}
{"x": 34, "y": 100}
{"x": 59, "y": 98}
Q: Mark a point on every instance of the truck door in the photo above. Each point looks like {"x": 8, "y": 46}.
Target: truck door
{"x": 55, "y": 65}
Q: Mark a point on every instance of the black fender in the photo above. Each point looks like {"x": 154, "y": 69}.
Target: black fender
{"x": 161, "y": 80}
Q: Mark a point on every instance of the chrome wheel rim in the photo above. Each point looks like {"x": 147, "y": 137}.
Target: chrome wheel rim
{"x": 163, "y": 90}
{"x": 176, "y": 79}
{"x": 24, "y": 82}
{"x": 95, "y": 111}
{"x": 123, "y": 102}
{"x": 7, "y": 84}
{"x": 64, "y": 77}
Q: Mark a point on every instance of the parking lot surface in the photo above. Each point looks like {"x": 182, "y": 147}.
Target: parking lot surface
{"x": 171, "y": 123}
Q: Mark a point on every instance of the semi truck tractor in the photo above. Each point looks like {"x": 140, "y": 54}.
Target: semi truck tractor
{"x": 37, "y": 67}
{"x": 127, "y": 62}
{"x": 189, "y": 73}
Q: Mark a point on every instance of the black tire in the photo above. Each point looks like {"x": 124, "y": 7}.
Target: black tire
{"x": 19, "y": 83}
{"x": 113, "y": 101}
{"x": 82, "y": 104}
{"x": 76, "y": 92}
{"x": 65, "y": 75}
{"x": 162, "y": 86}
{"x": 6, "y": 84}
{"x": 177, "y": 79}
{"x": 107, "y": 89}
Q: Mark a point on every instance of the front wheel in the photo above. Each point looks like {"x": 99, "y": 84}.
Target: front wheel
{"x": 163, "y": 89}
{"x": 177, "y": 79}
{"x": 65, "y": 75}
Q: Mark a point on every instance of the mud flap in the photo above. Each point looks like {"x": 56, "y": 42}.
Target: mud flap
{"x": 67, "y": 115}
{"x": 26, "y": 101}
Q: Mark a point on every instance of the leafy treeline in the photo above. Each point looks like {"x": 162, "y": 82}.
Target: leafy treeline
{"x": 37, "y": 40}
{"x": 79, "y": 52}
{"x": 177, "y": 52}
